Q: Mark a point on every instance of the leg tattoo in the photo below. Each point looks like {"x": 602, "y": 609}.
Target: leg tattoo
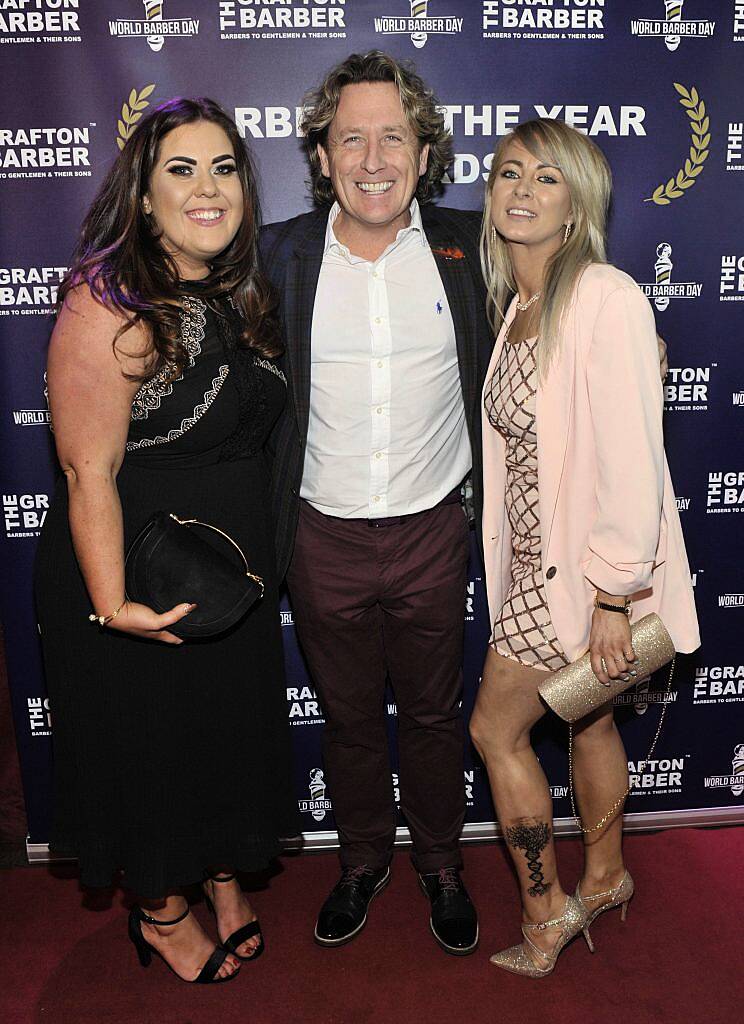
{"x": 532, "y": 839}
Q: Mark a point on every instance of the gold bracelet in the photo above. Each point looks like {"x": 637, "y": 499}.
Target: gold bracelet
{"x": 103, "y": 620}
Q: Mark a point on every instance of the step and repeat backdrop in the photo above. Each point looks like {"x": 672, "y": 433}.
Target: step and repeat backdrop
{"x": 658, "y": 84}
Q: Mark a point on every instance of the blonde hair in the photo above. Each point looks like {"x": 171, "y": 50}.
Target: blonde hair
{"x": 589, "y": 180}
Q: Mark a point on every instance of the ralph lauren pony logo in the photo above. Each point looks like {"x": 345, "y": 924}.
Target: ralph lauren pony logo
{"x": 450, "y": 253}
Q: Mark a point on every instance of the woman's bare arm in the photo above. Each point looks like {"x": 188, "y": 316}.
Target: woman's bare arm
{"x": 90, "y": 400}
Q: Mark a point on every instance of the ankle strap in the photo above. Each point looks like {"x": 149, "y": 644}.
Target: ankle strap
{"x": 531, "y": 944}
{"x": 223, "y": 878}
{"x": 599, "y": 895}
{"x": 162, "y": 924}
{"x": 540, "y": 926}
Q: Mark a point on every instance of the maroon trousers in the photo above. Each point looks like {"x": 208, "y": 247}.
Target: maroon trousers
{"x": 369, "y": 600}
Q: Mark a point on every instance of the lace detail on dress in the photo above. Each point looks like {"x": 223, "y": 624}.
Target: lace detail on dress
{"x": 154, "y": 390}
{"x": 271, "y": 367}
{"x": 253, "y": 387}
{"x": 189, "y": 421}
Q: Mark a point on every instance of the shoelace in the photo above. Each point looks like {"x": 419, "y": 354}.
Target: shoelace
{"x": 448, "y": 880}
{"x": 352, "y": 876}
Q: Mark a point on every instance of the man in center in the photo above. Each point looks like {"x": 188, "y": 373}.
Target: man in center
{"x": 383, "y": 311}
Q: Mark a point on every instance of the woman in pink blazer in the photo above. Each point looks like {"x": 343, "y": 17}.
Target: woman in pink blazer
{"x": 580, "y": 525}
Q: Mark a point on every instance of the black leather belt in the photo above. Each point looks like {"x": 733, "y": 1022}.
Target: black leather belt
{"x": 453, "y": 498}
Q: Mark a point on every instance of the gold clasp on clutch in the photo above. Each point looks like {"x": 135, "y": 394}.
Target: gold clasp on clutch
{"x": 208, "y": 526}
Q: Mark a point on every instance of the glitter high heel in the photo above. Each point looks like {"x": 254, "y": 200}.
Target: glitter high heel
{"x": 574, "y": 919}
{"x": 620, "y": 896}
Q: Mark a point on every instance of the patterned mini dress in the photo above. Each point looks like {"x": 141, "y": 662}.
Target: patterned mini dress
{"x": 522, "y": 630}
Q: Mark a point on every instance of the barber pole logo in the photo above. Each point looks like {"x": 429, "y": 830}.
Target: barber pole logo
{"x": 154, "y": 13}
{"x": 673, "y": 15}
{"x": 663, "y": 288}
{"x": 420, "y": 25}
{"x": 663, "y": 268}
{"x": 737, "y": 767}
{"x": 640, "y": 706}
{"x": 640, "y": 696}
{"x": 673, "y": 27}
{"x": 317, "y": 805}
{"x": 734, "y": 781}
{"x": 419, "y": 9}
{"x": 154, "y": 27}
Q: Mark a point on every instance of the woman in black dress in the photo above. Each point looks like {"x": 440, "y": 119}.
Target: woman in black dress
{"x": 171, "y": 759}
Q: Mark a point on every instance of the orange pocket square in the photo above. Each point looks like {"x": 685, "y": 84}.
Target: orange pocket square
{"x": 450, "y": 254}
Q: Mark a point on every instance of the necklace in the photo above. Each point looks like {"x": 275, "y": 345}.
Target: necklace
{"x": 522, "y": 306}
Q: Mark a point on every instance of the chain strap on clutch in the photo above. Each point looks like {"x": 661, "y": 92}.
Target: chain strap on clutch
{"x": 620, "y": 800}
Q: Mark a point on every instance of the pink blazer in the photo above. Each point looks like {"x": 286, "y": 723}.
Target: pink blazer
{"x": 607, "y": 509}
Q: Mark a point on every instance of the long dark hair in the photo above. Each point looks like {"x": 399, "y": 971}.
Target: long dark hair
{"x": 119, "y": 256}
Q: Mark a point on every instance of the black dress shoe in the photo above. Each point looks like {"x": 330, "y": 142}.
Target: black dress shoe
{"x": 453, "y": 921}
{"x": 344, "y": 913}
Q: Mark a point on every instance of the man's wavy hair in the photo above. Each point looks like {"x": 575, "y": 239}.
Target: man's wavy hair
{"x": 120, "y": 259}
{"x": 419, "y": 105}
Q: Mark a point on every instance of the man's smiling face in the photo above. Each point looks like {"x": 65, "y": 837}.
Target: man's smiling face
{"x": 373, "y": 158}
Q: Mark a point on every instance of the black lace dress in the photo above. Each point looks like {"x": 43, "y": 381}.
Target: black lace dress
{"x": 170, "y": 758}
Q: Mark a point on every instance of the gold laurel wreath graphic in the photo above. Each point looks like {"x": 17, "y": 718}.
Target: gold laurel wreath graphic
{"x": 131, "y": 112}
{"x": 700, "y": 138}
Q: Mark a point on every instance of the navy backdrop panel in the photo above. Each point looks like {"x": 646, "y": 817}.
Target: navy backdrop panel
{"x": 657, "y": 84}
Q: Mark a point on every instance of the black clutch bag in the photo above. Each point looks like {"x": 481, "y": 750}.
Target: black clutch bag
{"x": 168, "y": 562}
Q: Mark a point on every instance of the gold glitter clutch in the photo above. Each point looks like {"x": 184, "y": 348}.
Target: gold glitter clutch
{"x": 574, "y": 691}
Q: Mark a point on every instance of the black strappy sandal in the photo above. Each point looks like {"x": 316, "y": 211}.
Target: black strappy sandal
{"x": 207, "y": 975}
{"x": 242, "y": 934}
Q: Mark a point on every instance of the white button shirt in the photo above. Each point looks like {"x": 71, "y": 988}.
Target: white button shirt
{"x": 387, "y": 434}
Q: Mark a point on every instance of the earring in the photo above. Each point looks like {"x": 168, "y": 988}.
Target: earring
{"x": 567, "y": 231}
{"x": 146, "y": 206}
{"x": 493, "y": 235}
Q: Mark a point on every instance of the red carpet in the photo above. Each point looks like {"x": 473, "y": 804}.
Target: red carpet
{"x": 676, "y": 960}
